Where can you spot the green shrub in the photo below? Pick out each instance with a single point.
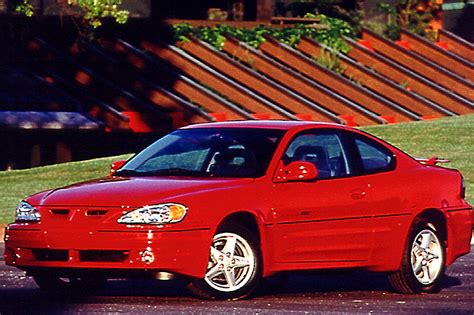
(328, 31)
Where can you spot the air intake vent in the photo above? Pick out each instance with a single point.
(103, 255)
(50, 254)
(95, 212)
(60, 211)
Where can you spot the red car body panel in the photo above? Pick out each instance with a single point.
(358, 221)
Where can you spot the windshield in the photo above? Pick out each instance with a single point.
(207, 152)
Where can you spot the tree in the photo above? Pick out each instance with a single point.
(87, 13)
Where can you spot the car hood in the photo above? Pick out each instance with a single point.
(135, 191)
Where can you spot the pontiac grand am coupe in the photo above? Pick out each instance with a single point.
(227, 205)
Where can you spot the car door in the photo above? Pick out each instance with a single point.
(390, 195)
(328, 219)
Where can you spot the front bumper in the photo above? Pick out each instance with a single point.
(182, 252)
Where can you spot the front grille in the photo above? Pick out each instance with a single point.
(50, 254)
(103, 255)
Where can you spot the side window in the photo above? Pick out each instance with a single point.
(324, 150)
(375, 158)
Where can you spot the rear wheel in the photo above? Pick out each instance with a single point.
(233, 271)
(423, 263)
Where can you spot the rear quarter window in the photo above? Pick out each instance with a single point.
(374, 157)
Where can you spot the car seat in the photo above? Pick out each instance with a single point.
(235, 162)
(316, 155)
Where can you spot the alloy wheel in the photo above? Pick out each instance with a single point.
(231, 263)
(426, 257)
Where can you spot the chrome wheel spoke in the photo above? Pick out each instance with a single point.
(215, 254)
(426, 274)
(430, 257)
(230, 278)
(426, 240)
(240, 262)
(229, 247)
(418, 265)
(417, 250)
(213, 272)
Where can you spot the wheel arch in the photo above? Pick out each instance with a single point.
(437, 218)
(245, 218)
(254, 222)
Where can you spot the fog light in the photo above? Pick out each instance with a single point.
(164, 276)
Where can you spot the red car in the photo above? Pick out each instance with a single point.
(229, 204)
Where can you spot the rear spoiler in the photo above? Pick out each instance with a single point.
(431, 161)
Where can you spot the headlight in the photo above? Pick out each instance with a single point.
(155, 214)
(26, 212)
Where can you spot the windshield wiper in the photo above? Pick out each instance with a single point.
(172, 172)
(163, 172)
(125, 173)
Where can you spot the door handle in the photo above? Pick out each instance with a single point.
(358, 194)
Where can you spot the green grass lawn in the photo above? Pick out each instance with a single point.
(450, 138)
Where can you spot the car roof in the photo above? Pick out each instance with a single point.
(267, 124)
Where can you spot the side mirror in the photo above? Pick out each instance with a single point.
(115, 166)
(298, 171)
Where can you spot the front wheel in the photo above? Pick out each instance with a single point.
(423, 263)
(233, 271)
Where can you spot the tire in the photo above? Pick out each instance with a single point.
(234, 268)
(54, 283)
(423, 262)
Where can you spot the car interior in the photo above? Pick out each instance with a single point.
(235, 161)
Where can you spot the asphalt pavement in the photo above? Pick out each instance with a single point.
(324, 293)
